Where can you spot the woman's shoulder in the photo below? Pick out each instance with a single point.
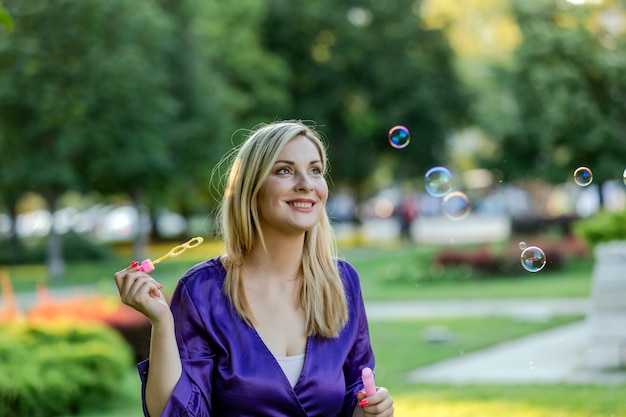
(348, 273)
(210, 273)
(345, 267)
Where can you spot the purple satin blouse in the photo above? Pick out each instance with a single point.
(228, 370)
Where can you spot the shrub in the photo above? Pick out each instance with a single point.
(133, 326)
(58, 369)
(604, 226)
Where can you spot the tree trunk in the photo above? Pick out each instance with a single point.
(54, 248)
(13, 237)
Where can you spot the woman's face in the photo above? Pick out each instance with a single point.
(293, 197)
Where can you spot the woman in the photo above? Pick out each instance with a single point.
(276, 326)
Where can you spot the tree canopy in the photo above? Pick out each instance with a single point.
(363, 69)
(562, 102)
(77, 107)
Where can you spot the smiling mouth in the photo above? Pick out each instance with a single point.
(299, 204)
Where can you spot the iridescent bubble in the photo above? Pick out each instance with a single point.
(438, 181)
(532, 365)
(624, 175)
(456, 205)
(533, 259)
(522, 245)
(399, 137)
(583, 176)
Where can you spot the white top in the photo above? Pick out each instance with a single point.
(292, 367)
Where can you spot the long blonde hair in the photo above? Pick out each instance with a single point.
(322, 294)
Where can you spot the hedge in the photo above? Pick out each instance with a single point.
(59, 368)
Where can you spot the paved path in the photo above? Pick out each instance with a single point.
(558, 355)
(525, 308)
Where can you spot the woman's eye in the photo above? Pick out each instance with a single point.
(282, 171)
(316, 171)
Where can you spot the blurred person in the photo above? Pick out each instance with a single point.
(408, 211)
(276, 326)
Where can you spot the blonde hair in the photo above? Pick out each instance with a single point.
(322, 294)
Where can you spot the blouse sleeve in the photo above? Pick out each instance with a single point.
(361, 354)
(192, 393)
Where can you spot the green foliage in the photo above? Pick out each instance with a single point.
(75, 101)
(362, 69)
(605, 226)
(50, 370)
(560, 105)
(76, 247)
(5, 18)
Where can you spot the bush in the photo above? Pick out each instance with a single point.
(58, 369)
(133, 326)
(605, 226)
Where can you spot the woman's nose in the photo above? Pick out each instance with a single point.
(304, 183)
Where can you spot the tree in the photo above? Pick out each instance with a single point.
(362, 69)
(564, 97)
(83, 100)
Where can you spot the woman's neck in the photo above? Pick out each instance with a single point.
(280, 259)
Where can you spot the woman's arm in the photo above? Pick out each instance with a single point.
(165, 366)
(138, 290)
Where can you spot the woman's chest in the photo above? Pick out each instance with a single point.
(281, 326)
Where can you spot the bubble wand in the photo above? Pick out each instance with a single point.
(148, 265)
(367, 375)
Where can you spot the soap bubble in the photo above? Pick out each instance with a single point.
(624, 175)
(522, 245)
(533, 259)
(456, 205)
(438, 181)
(583, 176)
(532, 365)
(399, 137)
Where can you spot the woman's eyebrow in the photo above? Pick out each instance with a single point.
(284, 161)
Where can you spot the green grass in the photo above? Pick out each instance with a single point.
(511, 401)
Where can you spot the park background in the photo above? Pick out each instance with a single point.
(114, 116)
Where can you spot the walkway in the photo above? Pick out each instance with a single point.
(557, 355)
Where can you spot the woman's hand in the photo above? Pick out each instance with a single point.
(140, 291)
(379, 404)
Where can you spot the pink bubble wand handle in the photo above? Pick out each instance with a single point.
(367, 375)
(148, 265)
